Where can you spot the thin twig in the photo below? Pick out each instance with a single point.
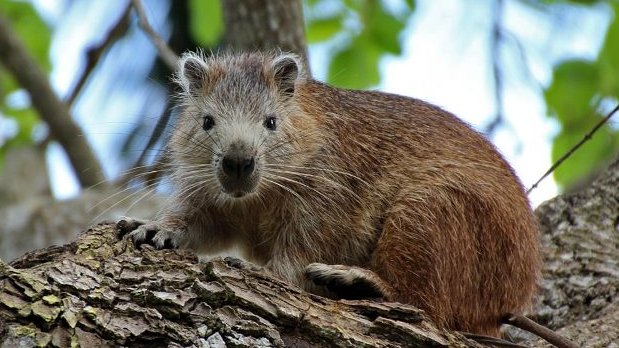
(160, 127)
(586, 138)
(94, 53)
(550, 336)
(139, 167)
(495, 42)
(169, 58)
(165, 52)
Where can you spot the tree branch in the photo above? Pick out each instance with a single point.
(495, 55)
(550, 336)
(165, 52)
(52, 110)
(94, 53)
(99, 291)
(578, 291)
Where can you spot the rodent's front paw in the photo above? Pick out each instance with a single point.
(148, 232)
(126, 224)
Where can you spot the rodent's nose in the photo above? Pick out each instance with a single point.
(238, 168)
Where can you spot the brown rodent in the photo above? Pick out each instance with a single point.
(357, 193)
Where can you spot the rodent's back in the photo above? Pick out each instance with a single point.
(392, 133)
(482, 232)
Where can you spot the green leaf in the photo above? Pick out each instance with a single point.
(586, 2)
(356, 66)
(323, 29)
(383, 28)
(35, 34)
(608, 60)
(8, 84)
(26, 119)
(578, 2)
(206, 22)
(32, 31)
(570, 96)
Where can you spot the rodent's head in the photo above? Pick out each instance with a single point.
(239, 121)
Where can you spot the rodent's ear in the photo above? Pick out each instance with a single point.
(192, 72)
(286, 69)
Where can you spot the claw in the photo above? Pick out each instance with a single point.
(168, 244)
(157, 234)
(126, 225)
(143, 235)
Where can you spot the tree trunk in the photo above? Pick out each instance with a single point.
(580, 237)
(265, 25)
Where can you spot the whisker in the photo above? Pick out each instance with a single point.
(327, 180)
(196, 180)
(148, 192)
(286, 141)
(327, 198)
(110, 197)
(291, 191)
(120, 201)
(328, 170)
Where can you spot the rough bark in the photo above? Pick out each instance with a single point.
(265, 25)
(580, 237)
(98, 291)
(14, 56)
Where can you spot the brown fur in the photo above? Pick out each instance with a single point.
(372, 180)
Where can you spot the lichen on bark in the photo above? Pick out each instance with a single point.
(98, 291)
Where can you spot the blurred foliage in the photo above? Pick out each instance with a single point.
(206, 22)
(35, 34)
(358, 33)
(576, 98)
(365, 31)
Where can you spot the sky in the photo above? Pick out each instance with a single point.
(465, 86)
(445, 62)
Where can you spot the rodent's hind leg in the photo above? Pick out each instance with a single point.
(158, 234)
(349, 282)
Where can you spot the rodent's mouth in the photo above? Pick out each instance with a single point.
(237, 189)
(236, 194)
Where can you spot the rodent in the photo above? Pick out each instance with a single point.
(347, 193)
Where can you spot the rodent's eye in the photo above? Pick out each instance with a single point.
(270, 123)
(209, 122)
